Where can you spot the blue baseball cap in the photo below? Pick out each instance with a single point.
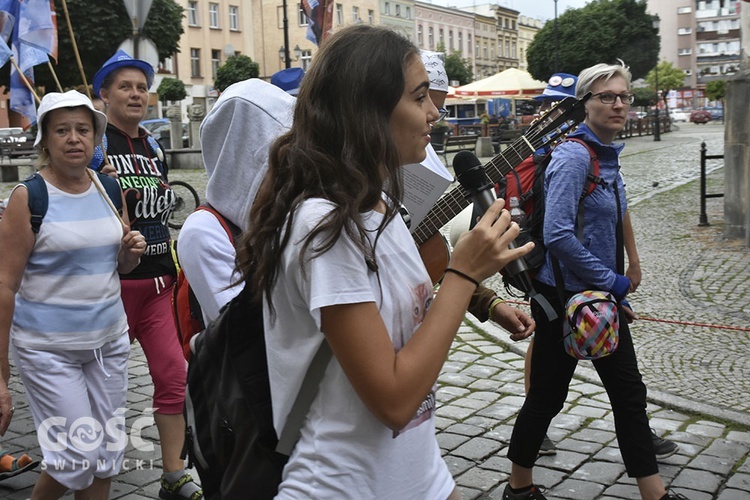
(288, 80)
(122, 59)
(559, 86)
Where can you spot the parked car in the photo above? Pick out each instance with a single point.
(161, 127)
(716, 113)
(700, 116)
(679, 115)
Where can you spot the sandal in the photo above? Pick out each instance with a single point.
(11, 466)
(171, 491)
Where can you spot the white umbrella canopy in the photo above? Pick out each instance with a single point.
(512, 82)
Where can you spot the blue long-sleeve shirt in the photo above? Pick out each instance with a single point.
(590, 263)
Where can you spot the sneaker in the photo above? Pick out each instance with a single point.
(674, 496)
(548, 447)
(531, 494)
(664, 448)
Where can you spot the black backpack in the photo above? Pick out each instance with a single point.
(230, 437)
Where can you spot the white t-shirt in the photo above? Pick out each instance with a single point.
(344, 451)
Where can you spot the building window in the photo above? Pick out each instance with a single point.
(420, 35)
(468, 44)
(441, 37)
(339, 14)
(514, 50)
(684, 10)
(387, 8)
(306, 59)
(355, 14)
(398, 10)
(234, 18)
(301, 17)
(460, 41)
(431, 38)
(195, 63)
(684, 52)
(371, 16)
(450, 40)
(408, 13)
(215, 62)
(213, 15)
(684, 31)
(688, 72)
(166, 66)
(192, 13)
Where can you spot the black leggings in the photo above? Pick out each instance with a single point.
(551, 371)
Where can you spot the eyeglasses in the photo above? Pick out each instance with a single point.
(443, 115)
(609, 98)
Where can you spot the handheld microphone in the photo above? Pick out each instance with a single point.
(471, 176)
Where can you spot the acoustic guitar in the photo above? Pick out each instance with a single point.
(546, 130)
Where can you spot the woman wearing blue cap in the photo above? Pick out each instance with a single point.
(593, 262)
(123, 83)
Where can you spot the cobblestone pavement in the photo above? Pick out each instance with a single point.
(697, 376)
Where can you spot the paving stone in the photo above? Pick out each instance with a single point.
(577, 489)
(478, 448)
(697, 480)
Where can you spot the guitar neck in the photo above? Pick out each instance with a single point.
(451, 203)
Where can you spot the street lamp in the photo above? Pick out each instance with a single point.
(657, 131)
(557, 39)
(284, 56)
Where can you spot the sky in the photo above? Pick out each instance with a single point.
(539, 9)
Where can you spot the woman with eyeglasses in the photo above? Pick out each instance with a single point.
(593, 262)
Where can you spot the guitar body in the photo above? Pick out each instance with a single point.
(436, 254)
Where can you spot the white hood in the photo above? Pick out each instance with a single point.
(235, 137)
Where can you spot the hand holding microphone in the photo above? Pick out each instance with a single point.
(492, 239)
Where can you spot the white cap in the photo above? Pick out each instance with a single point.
(70, 99)
(433, 63)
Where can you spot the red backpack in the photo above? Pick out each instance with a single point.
(526, 182)
(188, 315)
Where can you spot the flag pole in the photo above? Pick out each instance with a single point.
(75, 48)
(25, 80)
(54, 75)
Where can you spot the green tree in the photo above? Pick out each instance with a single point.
(236, 69)
(457, 68)
(644, 96)
(171, 89)
(602, 31)
(670, 78)
(100, 26)
(716, 90)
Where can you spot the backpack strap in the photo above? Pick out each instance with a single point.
(592, 179)
(38, 200)
(231, 230)
(307, 392)
(113, 189)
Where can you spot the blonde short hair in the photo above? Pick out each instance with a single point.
(602, 71)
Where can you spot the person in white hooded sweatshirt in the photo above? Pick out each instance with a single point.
(235, 135)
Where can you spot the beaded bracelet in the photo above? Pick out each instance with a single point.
(463, 275)
(495, 301)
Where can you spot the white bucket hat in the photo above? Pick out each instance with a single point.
(69, 99)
